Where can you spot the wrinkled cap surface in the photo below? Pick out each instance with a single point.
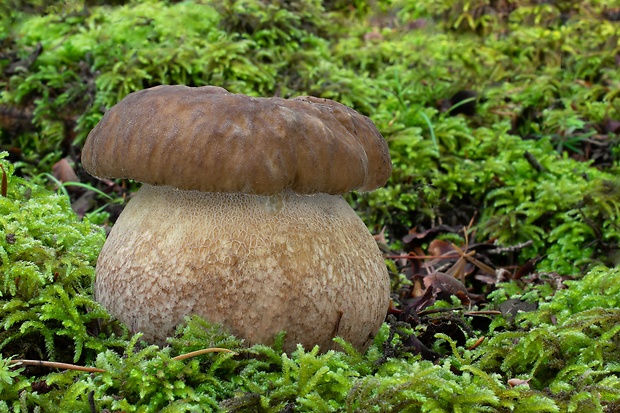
(210, 140)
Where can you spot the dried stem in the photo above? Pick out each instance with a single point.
(203, 351)
(67, 366)
(55, 365)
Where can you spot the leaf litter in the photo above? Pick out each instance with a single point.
(444, 287)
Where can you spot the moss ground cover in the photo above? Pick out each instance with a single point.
(504, 115)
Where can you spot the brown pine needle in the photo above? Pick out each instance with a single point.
(477, 343)
(67, 366)
(483, 312)
(412, 256)
(201, 352)
(55, 365)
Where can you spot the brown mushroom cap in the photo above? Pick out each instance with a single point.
(210, 140)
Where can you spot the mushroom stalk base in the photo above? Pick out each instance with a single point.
(258, 265)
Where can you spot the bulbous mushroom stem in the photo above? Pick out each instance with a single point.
(256, 264)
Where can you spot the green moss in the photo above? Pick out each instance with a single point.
(567, 349)
(537, 161)
(569, 345)
(47, 259)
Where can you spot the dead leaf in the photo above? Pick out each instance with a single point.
(83, 204)
(440, 248)
(510, 308)
(444, 283)
(63, 171)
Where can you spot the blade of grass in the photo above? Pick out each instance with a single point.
(431, 130)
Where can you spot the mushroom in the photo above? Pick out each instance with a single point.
(240, 218)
